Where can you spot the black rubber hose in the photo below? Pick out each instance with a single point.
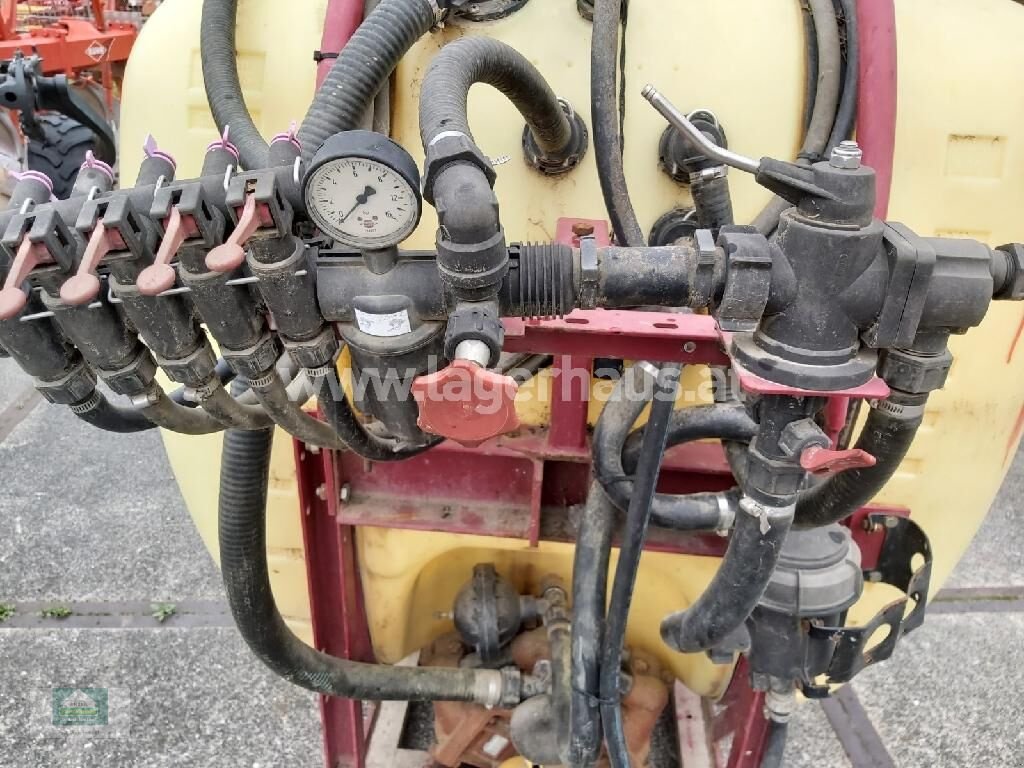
(614, 461)
(223, 88)
(775, 746)
(604, 118)
(589, 592)
(344, 422)
(230, 412)
(242, 526)
(846, 115)
(713, 203)
(885, 436)
(695, 511)
(826, 102)
(362, 68)
(471, 60)
(165, 413)
(634, 533)
(737, 586)
(810, 62)
(103, 414)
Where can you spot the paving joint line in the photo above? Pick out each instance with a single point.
(136, 614)
(857, 734)
(16, 412)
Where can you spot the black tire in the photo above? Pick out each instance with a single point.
(61, 151)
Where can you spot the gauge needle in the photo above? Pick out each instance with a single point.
(360, 200)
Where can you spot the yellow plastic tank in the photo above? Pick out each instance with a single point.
(959, 171)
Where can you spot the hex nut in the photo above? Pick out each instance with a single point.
(846, 156)
(1013, 288)
(134, 378)
(798, 436)
(316, 352)
(916, 374)
(254, 362)
(193, 370)
(73, 387)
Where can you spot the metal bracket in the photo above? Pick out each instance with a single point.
(904, 540)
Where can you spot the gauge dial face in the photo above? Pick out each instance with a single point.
(362, 203)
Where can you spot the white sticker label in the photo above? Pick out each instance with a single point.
(495, 746)
(390, 324)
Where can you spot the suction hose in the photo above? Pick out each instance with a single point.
(471, 60)
(363, 67)
(102, 414)
(243, 553)
(223, 88)
(604, 118)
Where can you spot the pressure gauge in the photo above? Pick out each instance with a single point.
(362, 189)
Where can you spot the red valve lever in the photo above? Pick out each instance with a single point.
(466, 403)
(826, 461)
(159, 276)
(229, 256)
(30, 255)
(84, 285)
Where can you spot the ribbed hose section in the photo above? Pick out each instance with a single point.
(589, 592)
(465, 62)
(103, 414)
(887, 438)
(362, 69)
(242, 526)
(713, 203)
(539, 281)
(223, 88)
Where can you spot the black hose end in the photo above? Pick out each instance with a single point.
(569, 156)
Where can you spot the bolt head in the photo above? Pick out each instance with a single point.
(847, 156)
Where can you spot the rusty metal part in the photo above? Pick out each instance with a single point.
(641, 707)
(466, 734)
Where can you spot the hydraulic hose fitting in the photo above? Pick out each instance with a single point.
(567, 157)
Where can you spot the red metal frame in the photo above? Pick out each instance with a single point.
(520, 486)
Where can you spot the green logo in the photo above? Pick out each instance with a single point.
(80, 706)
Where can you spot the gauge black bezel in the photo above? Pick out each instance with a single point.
(370, 146)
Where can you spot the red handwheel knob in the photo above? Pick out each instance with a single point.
(466, 403)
